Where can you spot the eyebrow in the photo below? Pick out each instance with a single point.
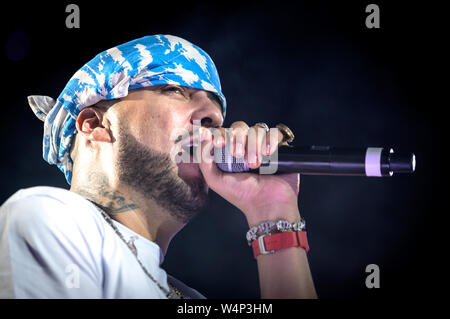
(212, 96)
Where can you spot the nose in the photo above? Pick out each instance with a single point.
(207, 110)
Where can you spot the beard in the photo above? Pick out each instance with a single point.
(152, 175)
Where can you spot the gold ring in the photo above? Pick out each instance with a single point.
(288, 136)
(263, 125)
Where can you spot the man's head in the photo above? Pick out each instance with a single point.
(130, 140)
(112, 74)
(124, 105)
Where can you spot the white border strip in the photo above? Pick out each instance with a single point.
(373, 161)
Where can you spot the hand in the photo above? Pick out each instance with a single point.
(259, 197)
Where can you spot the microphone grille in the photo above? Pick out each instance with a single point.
(227, 163)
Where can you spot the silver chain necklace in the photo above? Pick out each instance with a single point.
(174, 293)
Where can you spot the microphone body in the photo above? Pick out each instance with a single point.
(323, 160)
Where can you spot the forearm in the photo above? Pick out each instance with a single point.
(284, 273)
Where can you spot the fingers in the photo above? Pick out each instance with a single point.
(271, 140)
(209, 170)
(219, 137)
(244, 141)
(238, 138)
(255, 147)
(251, 142)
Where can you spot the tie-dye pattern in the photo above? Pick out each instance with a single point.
(151, 60)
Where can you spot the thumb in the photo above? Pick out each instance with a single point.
(207, 166)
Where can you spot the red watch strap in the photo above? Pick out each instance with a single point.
(281, 241)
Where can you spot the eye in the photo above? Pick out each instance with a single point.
(173, 89)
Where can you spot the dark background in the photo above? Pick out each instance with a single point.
(312, 65)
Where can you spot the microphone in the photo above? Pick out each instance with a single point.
(323, 160)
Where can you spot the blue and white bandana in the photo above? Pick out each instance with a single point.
(151, 60)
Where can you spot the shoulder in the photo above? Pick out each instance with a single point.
(44, 209)
(45, 233)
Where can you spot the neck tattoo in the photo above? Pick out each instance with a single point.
(97, 189)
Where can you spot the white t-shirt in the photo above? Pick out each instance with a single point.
(56, 244)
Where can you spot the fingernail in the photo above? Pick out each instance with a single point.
(218, 142)
(203, 133)
(239, 149)
(252, 158)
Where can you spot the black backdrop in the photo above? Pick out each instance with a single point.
(311, 65)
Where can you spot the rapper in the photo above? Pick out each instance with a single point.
(112, 133)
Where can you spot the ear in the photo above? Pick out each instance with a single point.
(89, 124)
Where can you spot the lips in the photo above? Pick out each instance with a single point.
(190, 140)
(186, 143)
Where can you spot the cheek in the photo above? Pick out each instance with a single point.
(153, 125)
(154, 133)
(156, 130)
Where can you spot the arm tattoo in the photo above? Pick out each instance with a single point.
(99, 191)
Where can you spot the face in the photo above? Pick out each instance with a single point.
(147, 119)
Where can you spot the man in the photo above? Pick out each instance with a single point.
(112, 132)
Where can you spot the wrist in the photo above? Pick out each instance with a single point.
(269, 244)
(275, 211)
